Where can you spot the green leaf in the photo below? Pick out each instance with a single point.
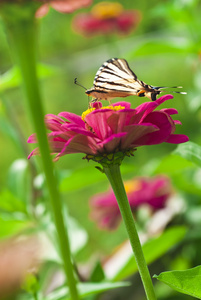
(97, 274)
(181, 171)
(173, 164)
(193, 215)
(77, 235)
(45, 71)
(190, 151)
(18, 179)
(10, 226)
(185, 282)
(159, 47)
(153, 249)
(12, 78)
(7, 129)
(30, 284)
(86, 176)
(183, 183)
(85, 289)
(10, 203)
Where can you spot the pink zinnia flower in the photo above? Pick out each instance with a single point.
(152, 192)
(63, 6)
(103, 131)
(106, 18)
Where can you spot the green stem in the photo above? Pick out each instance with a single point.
(35, 296)
(23, 146)
(114, 176)
(23, 41)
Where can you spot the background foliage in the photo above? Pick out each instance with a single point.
(165, 49)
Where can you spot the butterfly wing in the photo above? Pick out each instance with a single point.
(115, 75)
(116, 79)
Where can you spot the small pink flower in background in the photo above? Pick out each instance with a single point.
(106, 18)
(18, 257)
(62, 6)
(152, 192)
(107, 130)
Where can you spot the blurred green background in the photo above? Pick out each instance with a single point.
(164, 49)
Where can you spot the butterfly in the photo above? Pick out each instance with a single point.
(115, 79)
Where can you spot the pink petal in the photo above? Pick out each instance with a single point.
(177, 139)
(83, 144)
(145, 108)
(69, 6)
(32, 138)
(135, 133)
(42, 11)
(112, 143)
(165, 125)
(76, 129)
(51, 117)
(53, 125)
(56, 145)
(128, 20)
(72, 118)
(177, 122)
(120, 119)
(164, 98)
(98, 121)
(34, 152)
(60, 136)
(170, 111)
(64, 146)
(85, 24)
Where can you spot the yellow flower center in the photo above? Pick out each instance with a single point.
(86, 112)
(132, 186)
(89, 110)
(107, 10)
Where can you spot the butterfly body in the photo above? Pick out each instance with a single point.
(115, 79)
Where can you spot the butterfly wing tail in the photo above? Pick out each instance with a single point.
(167, 87)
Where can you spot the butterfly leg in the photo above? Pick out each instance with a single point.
(91, 102)
(109, 100)
(94, 100)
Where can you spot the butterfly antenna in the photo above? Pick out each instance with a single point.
(176, 87)
(167, 87)
(183, 93)
(76, 82)
(171, 87)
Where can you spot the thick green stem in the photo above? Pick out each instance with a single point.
(22, 34)
(114, 176)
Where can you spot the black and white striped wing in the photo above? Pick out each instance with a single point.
(116, 75)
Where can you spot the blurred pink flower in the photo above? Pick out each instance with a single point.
(106, 18)
(63, 6)
(17, 258)
(107, 130)
(152, 192)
